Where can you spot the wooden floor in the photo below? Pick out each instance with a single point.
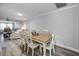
(59, 52)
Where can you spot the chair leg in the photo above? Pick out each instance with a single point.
(24, 47)
(40, 49)
(50, 52)
(21, 46)
(27, 49)
(32, 52)
(53, 50)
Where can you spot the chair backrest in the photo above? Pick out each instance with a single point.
(27, 36)
(52, 41)
(15, 35)
(44, 32)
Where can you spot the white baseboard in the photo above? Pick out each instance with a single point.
(60, 45)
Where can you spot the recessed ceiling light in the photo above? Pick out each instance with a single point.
(20, 14)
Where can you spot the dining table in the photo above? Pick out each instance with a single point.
(43, 39)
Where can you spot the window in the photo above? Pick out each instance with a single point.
(3, 25)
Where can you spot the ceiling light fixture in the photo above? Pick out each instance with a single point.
(20, 14)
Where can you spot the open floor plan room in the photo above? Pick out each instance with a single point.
(39, 29)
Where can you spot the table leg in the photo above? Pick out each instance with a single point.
(44, 50)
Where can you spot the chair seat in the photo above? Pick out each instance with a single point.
(33, 45)
(47, 46)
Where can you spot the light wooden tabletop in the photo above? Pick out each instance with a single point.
(42, 38)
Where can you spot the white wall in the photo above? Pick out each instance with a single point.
(65, 26)
(78, 26)
(41, 23)
(63, 23)
(18, 25)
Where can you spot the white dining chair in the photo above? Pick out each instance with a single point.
(50, 45)
(43, 32)
(18, 40)
(23, 33)
(30, 44)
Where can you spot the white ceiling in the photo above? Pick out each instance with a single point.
(10, 10)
